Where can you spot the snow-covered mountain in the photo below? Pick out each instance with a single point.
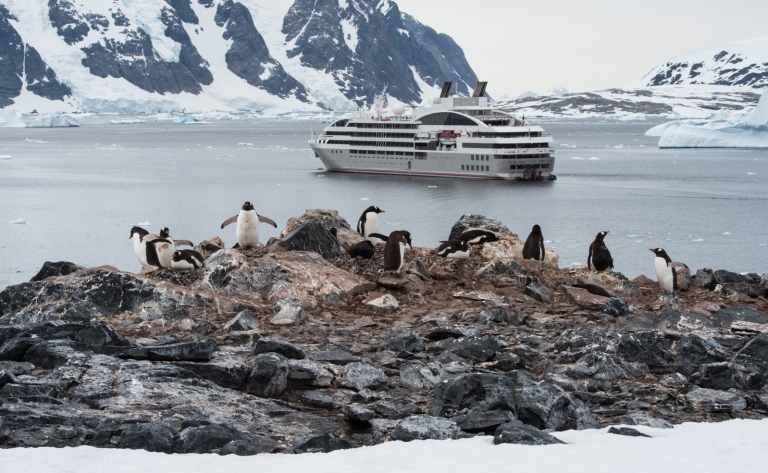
(744, 63)
(167, 55)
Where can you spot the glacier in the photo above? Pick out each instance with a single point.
(723, 130)
(54, 121)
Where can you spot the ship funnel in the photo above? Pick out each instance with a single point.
(446, 90)
(480, 89)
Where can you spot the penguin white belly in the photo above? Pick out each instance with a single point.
(140, 249)
(248, 229)
(459, 255)
(165, 253)
(664, 275)
(183, 264)
(371, 225)
(476, 240)
(402, 256)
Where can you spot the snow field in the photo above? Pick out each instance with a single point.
(737, 445)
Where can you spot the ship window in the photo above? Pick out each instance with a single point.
(462, 167)
(486, 168)
(473, 167)
(390, 152)
(447, 118)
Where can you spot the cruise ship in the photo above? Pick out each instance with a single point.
(460, 137)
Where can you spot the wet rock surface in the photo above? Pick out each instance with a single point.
(117, 360)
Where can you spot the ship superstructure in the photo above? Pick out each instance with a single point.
(456, 137)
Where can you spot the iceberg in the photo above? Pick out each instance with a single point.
(740, 131)
(11, 119)
(127, 122)
(54, 121)
(18, 221)
(185, 120)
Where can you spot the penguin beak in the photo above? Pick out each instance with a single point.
(651, 250)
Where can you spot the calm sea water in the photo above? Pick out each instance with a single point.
(81, 189)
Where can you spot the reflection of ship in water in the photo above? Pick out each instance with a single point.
(455, 137)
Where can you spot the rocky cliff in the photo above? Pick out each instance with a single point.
(295, 347)
(202, 54)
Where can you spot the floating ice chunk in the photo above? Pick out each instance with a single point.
(143, 224)
(577, 158)
(558, 241)
(246, 144)
(321, 175)
(5, 156)
(185, 120)
(28, 140)
(363, 198)
(18, 221)
(638, 241)
(431, 187)
(619, 146)
(54, 121)
(575, 264)
(727, 233)
(547, 241)
(127, 122)
(750, 174)
(594, 159)
(698, 239)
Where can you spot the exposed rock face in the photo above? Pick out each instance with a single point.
(478, 222)
(311, 236)
(110, 359)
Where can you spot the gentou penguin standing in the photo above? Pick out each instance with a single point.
(364, 249)
(534, 245)
(165, 250)
(394, 251)
(457, 249)
(139, 246)
(665, 272)
(248, 226)
(599, 257)
(187, 259)
(477, 237)
(369, 222)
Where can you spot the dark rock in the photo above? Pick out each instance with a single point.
(52, 354)
(693, 350)
(312, 236)
(99, 334)
(206, 438)
(616, 307)
(357, 414)
(241, 448)
(628, 431)
(704, 279)
(756, 380)
(595, 365)
(227, 372)
(286, 349)
(754, 355)
(6, 377)
(322, 443)
(655, 350)
(516, 432)
(336, 357)
(288, 312)
(16, 348)
(538, 291)
(508, 362)
(544, 406)
(643, 418)
(462, 392)
(496, 315)
(396, 408)
(199, 350)
(721, 376)
(306, 373)
(243, 321)
(319, 399)
(424, 427)
(578, 338)
(51, 270)
(359, 376)
(408, 341)
(29, 392)
(478, 222)
(502, 268)
(482, 421)
(419, 376)
(477, 349)
(725, 317)
(149, 436)
(710, 400)
(443, 333)
(365, 396)
(269, 376)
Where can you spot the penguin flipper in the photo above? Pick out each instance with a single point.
(267, 220)
(674, 278)
(379, 236)
(184, 243)
(229, 221)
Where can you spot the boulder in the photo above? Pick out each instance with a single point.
(52, 270)
(336, 357)
(462, 392)
(357, 414)
(15, 348)
(420, 376)
(359, 376)
(407, 341)
(504, 268)
(585, 299)
(288, 350)
(207, 438)
(245, 320)
(241, 448)
(149, 436)
(539, 292)
(512, 248)
(52, 354)
(424, 427)
(655, 350)
(6, 377)
(226, 371)
(725, 317)
(306, 373)
(754, 355)
(478, 222)
(320, 443)
(288, 312)
(99, 334)
(311, 236)
(210, 246)
(396, 408)
(643, 418)
(516, 432)
(497, 315)
(595, 365)
(385, 304)
(721, 376)
(199, 350)
(710, 400)
(269, 375)
(693, 350)
(477, 349)
(543, 405)
(319, 399)
(616, 307)
(627, 431)
(476, 420)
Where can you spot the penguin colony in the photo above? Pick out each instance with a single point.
(156, 252)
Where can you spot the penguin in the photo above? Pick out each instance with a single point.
(369, 222)
(385, 238)
(599, 257)
(457, 249)
(477, 237)
(154, 248)
(394, 251)
(248, 226)
(593, 289)
(534, 245)
(165, 251)
(666, 274)
(187, 259)
(139, 246)
(364, 249)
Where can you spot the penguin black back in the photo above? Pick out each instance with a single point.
(394, 251)
(599, 257)
(458, 249)
(142, 233)
(364, 249)
(192, 257)
(534, 245)
(477, 237)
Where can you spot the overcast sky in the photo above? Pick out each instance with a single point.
(583, 44)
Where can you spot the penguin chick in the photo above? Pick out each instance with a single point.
(599, 257)
(457, 249)
(394, 252)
